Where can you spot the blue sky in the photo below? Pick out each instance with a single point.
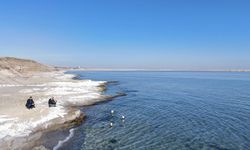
(148, 34)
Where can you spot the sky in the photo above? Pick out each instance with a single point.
(128, 34)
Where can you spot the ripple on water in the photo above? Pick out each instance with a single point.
(170, 112)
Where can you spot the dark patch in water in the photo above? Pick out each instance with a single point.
(119, 94)
(109, 98)
(113, 82)
(113, 141)
(131, 91)
(217, 147)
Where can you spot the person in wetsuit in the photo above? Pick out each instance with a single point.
(30, 103)
(52, 102)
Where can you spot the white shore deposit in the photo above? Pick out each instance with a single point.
(20, 79)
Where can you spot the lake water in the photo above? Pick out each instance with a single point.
(168, 110)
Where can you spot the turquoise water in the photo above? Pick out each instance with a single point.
(168, 110)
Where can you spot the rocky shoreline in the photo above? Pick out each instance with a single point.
(21, 128)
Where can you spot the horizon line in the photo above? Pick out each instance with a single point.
(155, 70)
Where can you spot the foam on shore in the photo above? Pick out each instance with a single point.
(61, 142)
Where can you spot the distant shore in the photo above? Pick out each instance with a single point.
(153, 70)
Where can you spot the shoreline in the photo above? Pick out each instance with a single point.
(23, 130)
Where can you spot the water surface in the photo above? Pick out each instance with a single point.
(168, 110)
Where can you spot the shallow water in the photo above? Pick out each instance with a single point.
(168, 110)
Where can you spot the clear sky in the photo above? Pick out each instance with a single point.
(149, 34)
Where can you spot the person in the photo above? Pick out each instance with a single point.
(30, 103)
(52, 102)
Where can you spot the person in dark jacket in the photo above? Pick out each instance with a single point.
(52, 102)
(30, 103)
